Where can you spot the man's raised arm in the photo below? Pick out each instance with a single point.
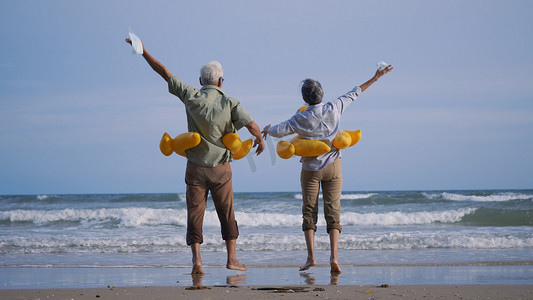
(158, 67)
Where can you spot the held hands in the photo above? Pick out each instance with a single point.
(265, 131)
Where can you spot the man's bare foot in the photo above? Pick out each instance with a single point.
(235, 265)
(197, 269)
(335, 269)
(308, 264)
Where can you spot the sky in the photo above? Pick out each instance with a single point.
(80, 113)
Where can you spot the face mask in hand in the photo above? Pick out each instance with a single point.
(135, 43)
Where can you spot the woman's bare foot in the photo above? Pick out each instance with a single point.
(197, 269)
(335, 269)
(308, 264)
(236, 265)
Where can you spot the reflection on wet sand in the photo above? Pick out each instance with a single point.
(311, 280)
(197, 279)
(240, 279)
(334, 279)
(236, 279)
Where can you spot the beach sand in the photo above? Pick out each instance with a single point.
(282, 292)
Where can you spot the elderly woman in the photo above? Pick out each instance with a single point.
(318, 122)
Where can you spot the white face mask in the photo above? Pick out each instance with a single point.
(380, 64)
(135, 43)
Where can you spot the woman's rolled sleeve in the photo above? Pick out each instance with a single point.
(281, 130)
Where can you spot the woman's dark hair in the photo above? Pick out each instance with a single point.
(312, 92)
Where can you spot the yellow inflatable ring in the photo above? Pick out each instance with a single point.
(346, 138)
(301, 147)
(308, 148)
(186, 141)
(179, 144)
(246, 147)
(285, 149)
(355, 135)
(166, 145)
(342, 140)
(233, 142)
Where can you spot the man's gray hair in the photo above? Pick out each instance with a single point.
(312, 92)
(211, 72)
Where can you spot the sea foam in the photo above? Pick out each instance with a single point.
(349, 240)
(138, 217)
(344, 196)
(129, 217)
(499, 197)
(406, 218)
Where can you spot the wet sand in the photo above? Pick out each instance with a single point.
(101, 277)
(377, 282)
(282, 292)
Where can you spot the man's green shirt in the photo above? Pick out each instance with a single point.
(212, 114)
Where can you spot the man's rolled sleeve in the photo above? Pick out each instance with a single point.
(239, 116)
(179, 88)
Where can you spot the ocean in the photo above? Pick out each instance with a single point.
(380, 228)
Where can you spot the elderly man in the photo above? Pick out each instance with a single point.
(321, 122)
(212, 114)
